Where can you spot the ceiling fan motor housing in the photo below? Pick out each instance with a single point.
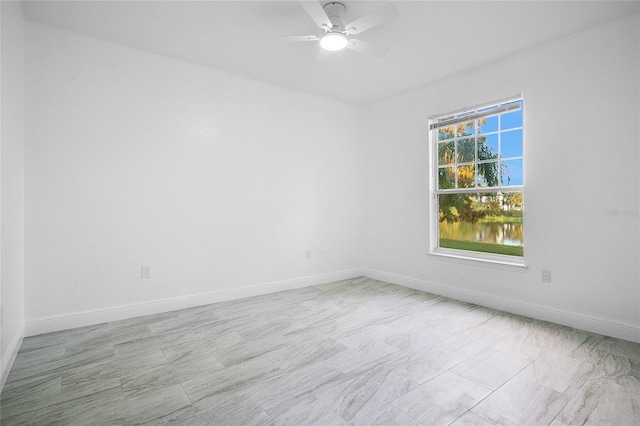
(335, 11)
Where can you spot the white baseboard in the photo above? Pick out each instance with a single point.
(595, 325)
(82, 319)
(9, 356)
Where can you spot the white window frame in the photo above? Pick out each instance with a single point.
(467, 255)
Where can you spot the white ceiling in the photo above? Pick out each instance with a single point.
(429, 41)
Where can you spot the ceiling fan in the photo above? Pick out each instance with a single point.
(337, 36)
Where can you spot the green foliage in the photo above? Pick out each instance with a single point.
(508, 217)
(483, 247)
(466, 207)
(513, 200)
(455, 207)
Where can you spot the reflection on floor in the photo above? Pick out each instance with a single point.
(355, 352)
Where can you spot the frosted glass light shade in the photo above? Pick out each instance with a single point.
(333, 41)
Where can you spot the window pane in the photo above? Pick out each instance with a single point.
(466, 129)
(512, 144)
(445, 133)
(446, 178)
(446, 153)
(476, 155)
(488, 174)
(467, 176)
(488, 147)
(489, 124)
(466, 150)
(512, 172)
(511, 120)
(482, 222)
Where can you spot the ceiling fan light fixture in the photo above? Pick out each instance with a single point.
(333, 41)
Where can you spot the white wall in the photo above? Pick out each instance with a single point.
(11, 183)
(214, 181)
(581, 148)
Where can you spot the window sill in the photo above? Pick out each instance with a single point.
(481, 259)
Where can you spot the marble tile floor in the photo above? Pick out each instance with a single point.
(354, 352)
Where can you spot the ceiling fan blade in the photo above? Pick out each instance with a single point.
(366, 47)
(372, 19)
(297, 38)
(317, 13)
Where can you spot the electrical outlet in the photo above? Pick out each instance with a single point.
(546, 276)
(307, 254)
(145, 272)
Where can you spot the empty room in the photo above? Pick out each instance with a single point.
(320, 213)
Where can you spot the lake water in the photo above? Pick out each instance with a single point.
(510, 234)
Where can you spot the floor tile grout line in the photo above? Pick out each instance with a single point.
(185, 392)
(491, 392)
(403, 411)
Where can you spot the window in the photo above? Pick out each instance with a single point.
(477, 182)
